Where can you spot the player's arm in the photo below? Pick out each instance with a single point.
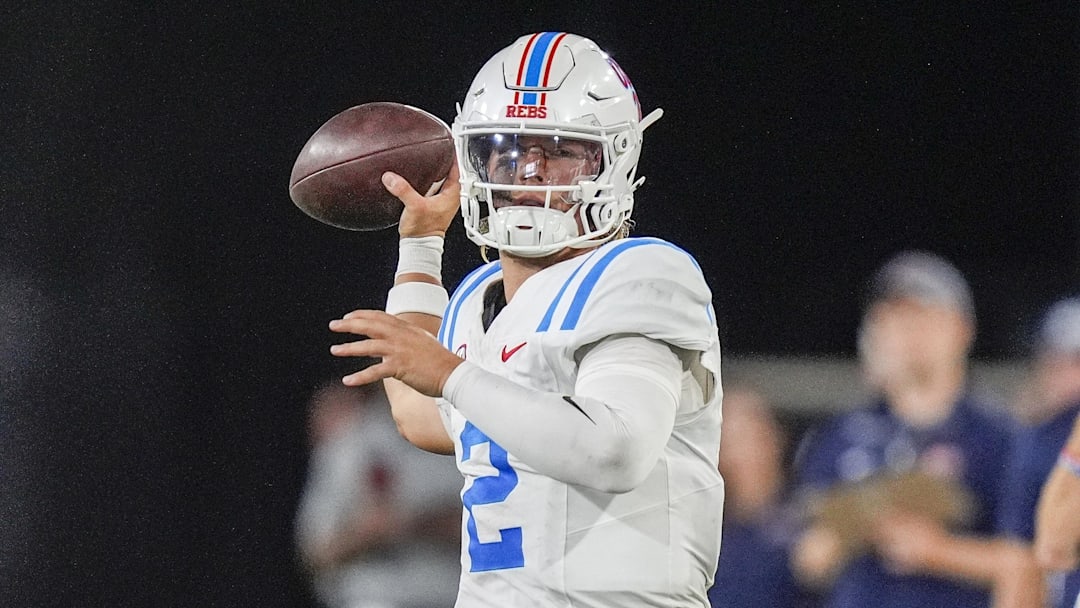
(913, 544)
(418, 298)
(1057, 526)
(607, 435)
(416, 414)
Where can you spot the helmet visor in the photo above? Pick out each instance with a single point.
(534, 160)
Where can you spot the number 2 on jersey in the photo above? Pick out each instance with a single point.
(490, 489)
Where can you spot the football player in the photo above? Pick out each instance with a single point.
(576, 379)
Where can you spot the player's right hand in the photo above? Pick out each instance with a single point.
(425, 215)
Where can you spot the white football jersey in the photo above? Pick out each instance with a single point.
(530, 540)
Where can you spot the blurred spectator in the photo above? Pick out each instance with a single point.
(379, 521)
(1048, 407)
(1057, 526)
(924, 456)
(757, 528)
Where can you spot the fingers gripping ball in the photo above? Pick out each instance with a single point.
(337, 176)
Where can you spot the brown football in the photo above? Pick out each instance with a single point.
(337, 177)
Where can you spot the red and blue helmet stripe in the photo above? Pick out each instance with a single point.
(535, 67)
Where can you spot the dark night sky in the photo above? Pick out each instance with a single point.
(163, 304)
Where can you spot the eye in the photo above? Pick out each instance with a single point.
(507, 155)
(566, 152)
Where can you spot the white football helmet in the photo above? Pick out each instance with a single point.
(547, 141)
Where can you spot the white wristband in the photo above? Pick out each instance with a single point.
(421, 254)
(416, 296)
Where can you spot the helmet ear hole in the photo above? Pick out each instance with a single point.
(607, 213)
(601, 215)
(621, 143)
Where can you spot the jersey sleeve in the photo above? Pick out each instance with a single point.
(608, 437)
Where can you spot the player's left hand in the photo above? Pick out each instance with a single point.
(407, 352)
(905, 541)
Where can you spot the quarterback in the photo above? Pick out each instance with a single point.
(575, 379)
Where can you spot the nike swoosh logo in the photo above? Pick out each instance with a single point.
(567, 399)
(506, 354)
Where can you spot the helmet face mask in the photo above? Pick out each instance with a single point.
(547, 141)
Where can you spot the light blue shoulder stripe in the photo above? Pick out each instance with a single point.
(545, 323)
(446, 329)
(573, 315)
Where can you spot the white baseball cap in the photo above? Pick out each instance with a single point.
(923, 276)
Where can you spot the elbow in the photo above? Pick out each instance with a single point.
(424, 439)
(403, 430)
(622, 480)
(621, 470)
(403, 426)
(619, 484)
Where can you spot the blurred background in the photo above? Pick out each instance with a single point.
(163, 305)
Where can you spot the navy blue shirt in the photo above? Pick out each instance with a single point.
(754, 569)
(1034, 456)
(970, 447)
